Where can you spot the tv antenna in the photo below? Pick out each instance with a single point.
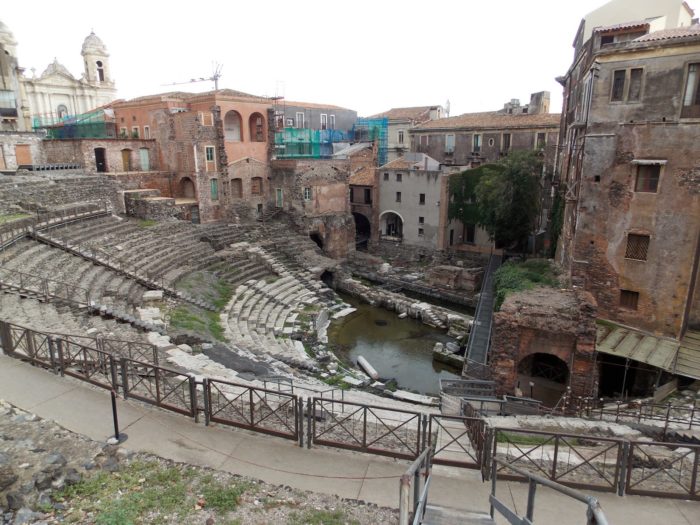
(216, 75)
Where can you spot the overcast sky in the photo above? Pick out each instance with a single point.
(366, 55)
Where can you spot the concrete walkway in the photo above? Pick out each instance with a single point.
(87, 410)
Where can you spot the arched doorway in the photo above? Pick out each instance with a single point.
(232, 126)
(316, 237)
(256, 124)
(543, 377)
(101, 160)
(363, 230)
(391, 225)
(187, 188)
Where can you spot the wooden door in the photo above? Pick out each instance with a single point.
(23, 155)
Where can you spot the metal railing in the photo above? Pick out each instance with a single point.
(594, 513)
(415, 480)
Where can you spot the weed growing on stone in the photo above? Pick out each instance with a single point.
(518, 276)
(320, 517)
(12, 217)
(147, 223)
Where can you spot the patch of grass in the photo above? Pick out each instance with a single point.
(516, 277)
(271, 279)
(13, 217)
(187, 317)
(528, 439)
(320, 517)
(147, 223)
(207, 286)
(130, 495)
(336, 381)
(224, 498)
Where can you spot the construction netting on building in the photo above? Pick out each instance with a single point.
(98, 124)
(307, 143)
(371, 130)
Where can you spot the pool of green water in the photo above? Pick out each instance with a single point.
(398, 349)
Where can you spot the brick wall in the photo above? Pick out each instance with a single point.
(9, 141)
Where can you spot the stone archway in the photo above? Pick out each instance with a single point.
(391, 225)
(316, 237)
(187, 188)
(363, 230)
(543, 377)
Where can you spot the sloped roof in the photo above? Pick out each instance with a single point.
(640, 24)
(419, 113)
(313, 105)
(399, 164)
(363, 177)
(493, 120)
(623, 341)
(671, 34)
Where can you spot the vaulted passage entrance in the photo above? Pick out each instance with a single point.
(362, 230)
(316, 237)
(543, 377)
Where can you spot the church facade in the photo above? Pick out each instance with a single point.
(27, 102)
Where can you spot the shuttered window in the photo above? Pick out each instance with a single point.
(637, 247)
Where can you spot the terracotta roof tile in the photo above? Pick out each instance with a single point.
(399, 164)
(493, 120)
(671, 34)
(638, 24)
(312, 105)
(364, 177)
(419, 113)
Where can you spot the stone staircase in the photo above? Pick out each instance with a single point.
(437, 515)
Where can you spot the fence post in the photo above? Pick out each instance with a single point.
(692, 413)
(404, 498)
(299, 405)
(53, 357)
(193, 398)
(625, 463)
(205, 396)
(554, 459)
(364, 427)
(531, 500)
(311, 422)
(6, 337)
(251, 406)
(424, 424)
(668, 415)
(125, 382)
(113, 373)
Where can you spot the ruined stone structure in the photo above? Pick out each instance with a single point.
(316, 193)
(629, 167)
(546, 336)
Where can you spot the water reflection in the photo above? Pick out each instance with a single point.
(396, 348)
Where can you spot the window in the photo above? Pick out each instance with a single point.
(635, 91)
(290, 122)
(491, 142)
(300, 120)
(386, 176)
(324, 121)
(618, 86)
(146, 132)
(627, 85)
(135, 132)
(647, 178)
(209, 156)
(122, 132)
(421, 232)
(398, 196)
(541, 141)
(421, 198)
(214, 189)
(449, 143)
(469, 233)
(505, 141)
(332, 121)
(607, 39)
(307, 194)
(368, 196)
(399, 177)
(476, 141)
(62, 111)
(256, 186)
(629, 299)
(100, 71)
(421, 220)
(206, 118)
(400, 136)
(424, 140)
(691, 98)
(637, 246)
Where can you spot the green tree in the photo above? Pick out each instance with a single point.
(508, 199)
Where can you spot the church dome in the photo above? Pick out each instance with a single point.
(6, 37)
(93, 45)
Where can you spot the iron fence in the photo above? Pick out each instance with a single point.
(88, 364)
(130, 349)
(162, 387)
(373, 429)
(639, 412)
(570, 459)
(258, 409)
(36, 347)
(663, 470)
(457, 441)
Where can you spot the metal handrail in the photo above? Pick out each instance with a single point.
(420, 497)
(594, 511)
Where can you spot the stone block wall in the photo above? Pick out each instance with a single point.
(9, 140)
(560, 323)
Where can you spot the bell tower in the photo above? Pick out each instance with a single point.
(96, 61)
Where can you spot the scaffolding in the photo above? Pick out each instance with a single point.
(97, 124)
(373, 130)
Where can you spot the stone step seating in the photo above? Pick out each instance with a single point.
(222, 235)
(63, 319)
(237, 271)
(143, 265)
(48, 192)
